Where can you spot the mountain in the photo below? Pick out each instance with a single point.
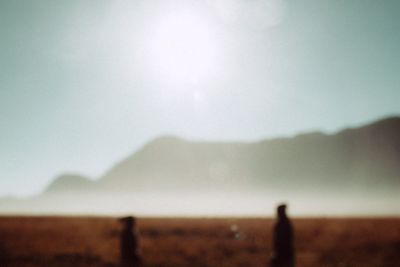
(354, 159)
(69, 183)
(361, 162)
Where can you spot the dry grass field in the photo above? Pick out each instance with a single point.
(93, 241)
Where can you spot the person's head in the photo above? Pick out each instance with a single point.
(281, 211)
(128, 222)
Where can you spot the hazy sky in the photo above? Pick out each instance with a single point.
(85, 83)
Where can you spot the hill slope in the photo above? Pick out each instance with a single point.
(355, 159)
(354, 163)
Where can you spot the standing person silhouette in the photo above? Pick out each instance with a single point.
(129, 246)
(283, 251)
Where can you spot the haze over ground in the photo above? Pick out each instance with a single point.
(84, 83)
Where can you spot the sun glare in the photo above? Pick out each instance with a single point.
(183, 48)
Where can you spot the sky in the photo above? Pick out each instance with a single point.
(84, 83)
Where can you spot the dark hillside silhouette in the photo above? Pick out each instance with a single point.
(356, 162)
(353, 158)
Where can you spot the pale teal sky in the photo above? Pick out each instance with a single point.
(78, 91)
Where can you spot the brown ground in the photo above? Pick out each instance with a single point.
(79, 241)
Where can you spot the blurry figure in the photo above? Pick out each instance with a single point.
(283, 251)
(130, 252)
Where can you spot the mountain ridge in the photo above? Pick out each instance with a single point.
(173, 156)
(358, 162)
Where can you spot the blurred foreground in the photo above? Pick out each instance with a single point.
(174, 242)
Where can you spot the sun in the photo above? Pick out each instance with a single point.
(183, 47)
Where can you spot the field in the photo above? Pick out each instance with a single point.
(174, 242)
